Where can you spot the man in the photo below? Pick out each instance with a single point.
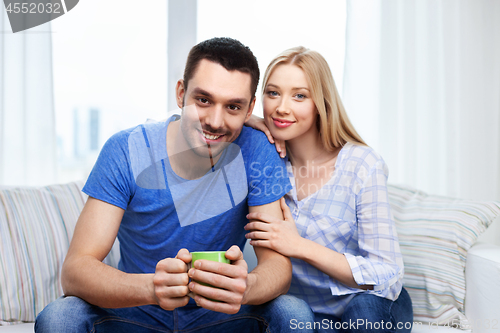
(170, 188)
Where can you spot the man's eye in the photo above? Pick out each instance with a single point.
(234, 107)
(203, 100)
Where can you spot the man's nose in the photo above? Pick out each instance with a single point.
(215, 118)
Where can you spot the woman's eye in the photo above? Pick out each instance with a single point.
(272, 93)
(300, 96)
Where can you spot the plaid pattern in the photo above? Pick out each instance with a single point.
(350, 214)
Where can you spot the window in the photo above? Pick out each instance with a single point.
(109, 62)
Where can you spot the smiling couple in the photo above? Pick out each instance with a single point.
(191, 184)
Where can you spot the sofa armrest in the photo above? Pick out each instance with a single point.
(482, 276)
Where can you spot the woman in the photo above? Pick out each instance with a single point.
(343, 245)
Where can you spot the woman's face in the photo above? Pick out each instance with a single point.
(289, 111)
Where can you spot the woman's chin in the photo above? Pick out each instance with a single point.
(280, 136)
(277, 133)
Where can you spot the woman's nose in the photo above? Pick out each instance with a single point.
(283, 107)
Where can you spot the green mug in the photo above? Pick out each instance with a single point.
(218, 256)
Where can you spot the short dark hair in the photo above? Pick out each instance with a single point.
(227, 52)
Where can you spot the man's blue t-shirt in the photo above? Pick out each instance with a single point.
(164, 212)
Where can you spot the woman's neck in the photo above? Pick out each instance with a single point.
(307, 148)
(312, 164)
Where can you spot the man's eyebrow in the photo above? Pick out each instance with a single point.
(199, 91)
(238, 101)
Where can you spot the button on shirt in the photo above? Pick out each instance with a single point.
(351, 215)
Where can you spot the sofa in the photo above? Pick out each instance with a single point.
(450, 247)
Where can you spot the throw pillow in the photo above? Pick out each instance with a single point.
(36, 225)
(435, 233)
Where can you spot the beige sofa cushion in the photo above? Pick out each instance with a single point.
(435, 233)
(36, 225)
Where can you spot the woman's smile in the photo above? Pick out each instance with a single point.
(282, 123)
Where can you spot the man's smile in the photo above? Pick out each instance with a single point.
(210, 137)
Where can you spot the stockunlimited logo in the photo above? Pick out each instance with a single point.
(24, 15)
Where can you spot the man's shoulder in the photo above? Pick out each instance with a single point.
(255, 146)
(118, 139)
(253, 139)
(142, 130)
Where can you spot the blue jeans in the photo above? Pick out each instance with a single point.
(370, 313)
(72, 314)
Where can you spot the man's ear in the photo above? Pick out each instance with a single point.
(179, 93)
(250, 109)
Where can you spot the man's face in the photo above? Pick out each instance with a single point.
(215, 106)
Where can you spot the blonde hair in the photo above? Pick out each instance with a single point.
(334, 126)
